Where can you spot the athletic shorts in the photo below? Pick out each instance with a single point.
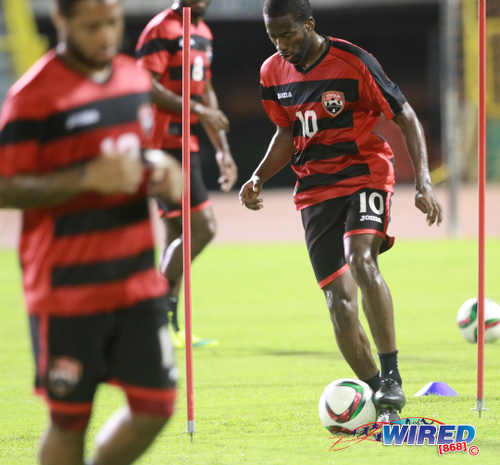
(199, 192)
(130, 348)
(328, 223)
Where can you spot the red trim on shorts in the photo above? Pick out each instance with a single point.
(152, 401)
(178, 213)
(148, 393)
(333, 276)
(67, 407)
(355, 232)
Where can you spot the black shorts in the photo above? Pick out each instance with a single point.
(328, 223)
(130, 348)
(199, 192)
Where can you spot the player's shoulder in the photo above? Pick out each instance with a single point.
(270, 67)
(29, 93)
(204, 30)
(353, 54)
(165, 24)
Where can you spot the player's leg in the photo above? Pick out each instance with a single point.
(125, 437)
(324, 228)
(60, 445)
(342, 301)
(141, 362)
(203, 228)
(365, 237)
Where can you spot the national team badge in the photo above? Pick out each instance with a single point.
(333, 102)
(63, 375)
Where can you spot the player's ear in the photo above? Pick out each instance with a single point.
(310, 24)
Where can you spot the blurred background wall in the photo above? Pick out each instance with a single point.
(405, 35)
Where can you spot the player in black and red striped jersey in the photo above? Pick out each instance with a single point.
(325, 96)
(71, 131)
(159, 50)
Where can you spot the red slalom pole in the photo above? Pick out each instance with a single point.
(481, 206)
(186, 212)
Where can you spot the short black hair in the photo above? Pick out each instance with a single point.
(301, 10)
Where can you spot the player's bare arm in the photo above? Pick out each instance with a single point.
(109, 173)
(412, 129)
(227, 166)
(170, 101)
(278, 155)
(166, 176)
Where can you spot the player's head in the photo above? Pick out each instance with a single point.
(290, 25)
(91, 30)
(198, 7)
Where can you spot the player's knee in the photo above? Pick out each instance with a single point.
(363, 267)
(70, 423)
(204, 232)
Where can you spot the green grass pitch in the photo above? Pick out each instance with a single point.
(256, 393)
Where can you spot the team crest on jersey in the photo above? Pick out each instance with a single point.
(146, 118)
(333, 102)
(63, 375)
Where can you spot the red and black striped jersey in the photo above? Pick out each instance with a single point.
(159, 50)
(93, 253)
(332, 108)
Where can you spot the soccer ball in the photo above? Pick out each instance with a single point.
(346, 404)
(467, 320)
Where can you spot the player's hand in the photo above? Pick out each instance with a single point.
(228, 170)
(212, 117)
(426, 201)
(250, 194)
(166, 176)
(113, 172)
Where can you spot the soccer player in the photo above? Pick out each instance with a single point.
(159, 50)
(71, 130)
(325, 96)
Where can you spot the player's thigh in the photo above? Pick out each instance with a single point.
(324, 227)
(142, 360)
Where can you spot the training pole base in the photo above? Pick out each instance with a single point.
(479, 407)
(191, 428)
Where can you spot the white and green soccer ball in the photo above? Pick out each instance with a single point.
(346, 404)
(467, 320)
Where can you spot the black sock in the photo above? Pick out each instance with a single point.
(373, 382)
(389, 366)
(172, 301)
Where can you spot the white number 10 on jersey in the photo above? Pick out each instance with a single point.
(309, 122)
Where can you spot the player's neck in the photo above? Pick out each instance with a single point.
(194, 19)
(318, 45)
(98, 75)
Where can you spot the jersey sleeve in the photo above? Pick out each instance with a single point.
(383, 95)
(19, 139)
(152, 50)
(274, 110)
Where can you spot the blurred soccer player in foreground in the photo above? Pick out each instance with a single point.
(70, 156)
(325, 96)
(159, 50)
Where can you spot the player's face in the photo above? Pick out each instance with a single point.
(291, 39)
(198, 7)
(94, 32)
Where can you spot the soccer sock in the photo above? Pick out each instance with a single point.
(373, 382)
(389, 366)
(172, 301)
